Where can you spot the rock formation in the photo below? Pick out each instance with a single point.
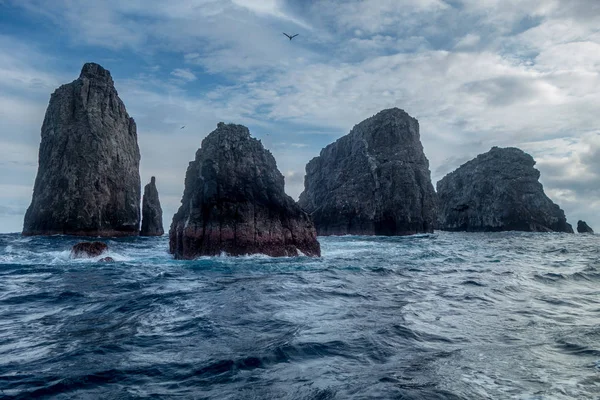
(151, 211)
(373, 181)
(88, 180)
(234, 202)
(88, 249)
(583, 227)
(498, 191)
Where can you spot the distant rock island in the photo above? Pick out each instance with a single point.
(88, 180)
(498, 191)
(234, 202)
(583, 227)
(151, 211)
(373, 181)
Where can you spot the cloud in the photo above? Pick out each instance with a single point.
(467, 41)
(570, 171)
(232, 35)
(294, 183)
(385, 16)
(11, 211)
(475, 73)
(271, 8)
(19, 70)
(184, 74)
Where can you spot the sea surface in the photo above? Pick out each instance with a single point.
(440, 316)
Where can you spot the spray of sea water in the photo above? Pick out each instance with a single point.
(441, 316)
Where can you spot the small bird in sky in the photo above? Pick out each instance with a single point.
(182, 127)
(290, 37)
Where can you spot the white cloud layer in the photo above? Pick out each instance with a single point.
(476, 73)
(184, 73)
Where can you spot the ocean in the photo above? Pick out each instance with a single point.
(441, 316)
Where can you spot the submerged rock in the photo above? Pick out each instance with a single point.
(88, 180)
(151, 211)
(373, 181)
(498, 191)
(107, 259)
(88, 249)
(583, 227)
(234, 202)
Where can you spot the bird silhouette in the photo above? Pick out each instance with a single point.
(182, 127)
(290, 37)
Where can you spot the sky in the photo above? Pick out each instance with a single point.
(475, 73)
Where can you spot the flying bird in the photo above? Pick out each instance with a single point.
(182, 127)
(290, 37)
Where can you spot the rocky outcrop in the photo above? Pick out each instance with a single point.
(234, 202)
(151, 211)
(88, 180)
(88, 249)
(373, 181)
(583, 227)
(498, 191)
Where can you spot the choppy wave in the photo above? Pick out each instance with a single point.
(441, 316)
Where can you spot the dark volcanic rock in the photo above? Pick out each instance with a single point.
(151, 211)
(373, 181)
(88, 180)
(234, 202)
(498, 191)
(583, 227)
(106, 259)
(88, 249)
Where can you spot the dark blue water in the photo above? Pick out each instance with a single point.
(442, 316)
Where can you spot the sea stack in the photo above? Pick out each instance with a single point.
(498, 191)
(88, 181)
(373, 181)
(234, 202)
(151, 211)
(583, 227)
(88, 249)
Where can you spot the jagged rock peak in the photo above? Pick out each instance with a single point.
(390, 113)
(151, 211)
(583, 227)
(373, 181)
(498, 191)
(234, 202)
(95, 71)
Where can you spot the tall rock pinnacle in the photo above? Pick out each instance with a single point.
(88, 180)
(151, 211)
(373, 181)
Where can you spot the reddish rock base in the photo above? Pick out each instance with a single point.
(275, 241)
